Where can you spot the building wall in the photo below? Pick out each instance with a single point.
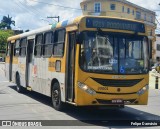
(157, 55)
(118, 12)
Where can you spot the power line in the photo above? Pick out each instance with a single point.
(31, 7)
(20, 5)
(79, 8)
(56, 5)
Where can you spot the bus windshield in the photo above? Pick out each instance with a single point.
(114, 53)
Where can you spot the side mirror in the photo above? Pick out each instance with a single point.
(79, 38)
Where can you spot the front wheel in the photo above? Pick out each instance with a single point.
(56, 97)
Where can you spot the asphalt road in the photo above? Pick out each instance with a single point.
(34, 106)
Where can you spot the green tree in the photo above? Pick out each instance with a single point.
(7, 22)
(4, 34)
(3, 25)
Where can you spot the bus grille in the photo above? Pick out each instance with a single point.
(117, 83)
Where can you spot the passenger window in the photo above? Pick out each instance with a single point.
(17, 48)
(23, 43)
(59, 40)
(38, 45)
(48, 44)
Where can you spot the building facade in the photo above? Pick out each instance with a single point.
(123, 9)
(157, 46)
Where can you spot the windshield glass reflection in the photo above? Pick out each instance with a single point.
(108, 53)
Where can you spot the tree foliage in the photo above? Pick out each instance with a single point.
(4, 34)
(6, 22)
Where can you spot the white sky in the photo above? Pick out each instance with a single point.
(29, 14)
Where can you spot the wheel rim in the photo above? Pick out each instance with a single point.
(55, 97)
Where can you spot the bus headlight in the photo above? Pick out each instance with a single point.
(142, 91)
(86, 88)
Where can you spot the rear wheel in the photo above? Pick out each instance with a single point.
(19, 88)
(56, 97)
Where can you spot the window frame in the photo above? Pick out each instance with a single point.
(17, 48)
(61, 42)
(145, 17)
(151, 19)
(99, 7)
(41, 45)
(123, 9)
(138, 15)
(22, 47)
(44, 45)
(85, 7)
(133, 12)
(112, 7)
(128, 10)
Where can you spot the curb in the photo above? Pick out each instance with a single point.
(155, 75)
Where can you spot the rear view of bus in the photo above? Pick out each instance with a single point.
(112, 68)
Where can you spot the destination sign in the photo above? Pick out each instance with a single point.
(115, 24)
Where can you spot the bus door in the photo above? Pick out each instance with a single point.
(70, 67)
(29, 61)
(11, 46)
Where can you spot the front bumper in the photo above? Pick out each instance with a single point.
(85, 99)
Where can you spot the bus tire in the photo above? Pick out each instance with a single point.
(56, 97)
(19, 88)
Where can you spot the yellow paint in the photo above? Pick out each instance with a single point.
(71, 28)
(13, 41)
(80, 95)
(82, 98)
(13, 38)
(29, 88)
(52, 62)
(7, 59)
(15, 60)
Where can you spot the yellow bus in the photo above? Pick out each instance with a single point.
(87, 61)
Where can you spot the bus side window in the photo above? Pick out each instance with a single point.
(38, 45)
(23, 44)
(59, 40)
(17, 48)
(48, 44)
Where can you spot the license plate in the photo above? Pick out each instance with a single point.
(117, 101)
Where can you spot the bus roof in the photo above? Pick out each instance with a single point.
(59, 25)
(46, 28)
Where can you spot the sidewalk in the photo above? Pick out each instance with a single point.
(152, 79)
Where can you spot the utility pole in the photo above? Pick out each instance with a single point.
(55, 17)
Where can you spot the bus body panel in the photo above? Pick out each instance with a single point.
(7, 67)
(21, 70)
(15, 68)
